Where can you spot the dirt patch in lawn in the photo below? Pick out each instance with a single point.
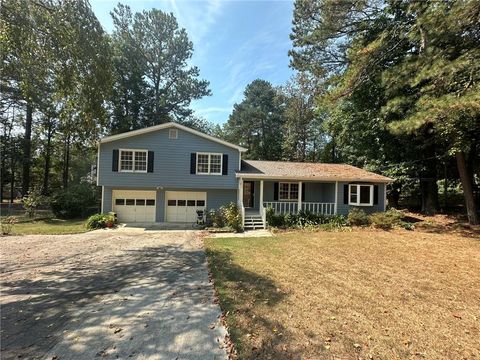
(349, 295)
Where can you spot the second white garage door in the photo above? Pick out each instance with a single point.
(182, 206)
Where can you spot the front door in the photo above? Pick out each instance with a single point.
(248, 192)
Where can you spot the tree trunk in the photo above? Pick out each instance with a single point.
(27, 149)
(66, 162)
(429, 176)
(465, 178)
(12, 179)
(48, 149)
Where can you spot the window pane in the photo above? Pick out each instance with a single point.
(215, 164)
(119, 201)
(140, 202)
(365, 194)
(172, 203)
(200, 202)
(353, 194)
(182, 202)
(130, 202)
(202, 163)
(140, 161)
(293, 191)
(190, 202)
(283, 191)
(150, 202)
(126, 160)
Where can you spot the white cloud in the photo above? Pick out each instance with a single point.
(213, 110)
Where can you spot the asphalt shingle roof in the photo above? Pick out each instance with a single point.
(307, 171)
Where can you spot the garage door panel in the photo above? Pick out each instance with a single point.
(182, 206)
(134, 205)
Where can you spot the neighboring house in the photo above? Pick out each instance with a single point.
(165, 173)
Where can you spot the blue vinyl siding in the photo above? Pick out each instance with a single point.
(215, 198)
(171, 162)
(343, 209)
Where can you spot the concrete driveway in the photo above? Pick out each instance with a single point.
(108, 294)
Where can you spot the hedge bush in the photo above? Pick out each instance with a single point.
(304, 219)
(74, 202)
(100, 221)
(227, 216)
(358, 217)
(388, 219)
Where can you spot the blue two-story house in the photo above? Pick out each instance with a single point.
(165, 173)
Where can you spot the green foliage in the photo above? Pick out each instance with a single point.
(100, 221)
(358, 217)
(74, 202)
(256, 122)
(304, 220)
(228, 216)
(232, 216)
(154, 82)
(215, 218)
(387, 220)
(7, 224)
(33, 201)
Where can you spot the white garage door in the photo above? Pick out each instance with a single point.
(134, 205)
(182, 206)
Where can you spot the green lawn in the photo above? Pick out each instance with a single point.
(349, 295)
(49, 226)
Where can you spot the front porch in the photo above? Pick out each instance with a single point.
(284, 197)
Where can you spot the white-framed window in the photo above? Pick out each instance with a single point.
(287, 191)
(360, 195)
(209, 164)
(133, 160)
(173, 134)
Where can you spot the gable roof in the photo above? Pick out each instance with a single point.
(306, 171)
(166, 126)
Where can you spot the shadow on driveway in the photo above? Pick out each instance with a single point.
(151, 302)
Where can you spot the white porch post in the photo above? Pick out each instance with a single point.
(299, 196)
(240, 193)
(261, 195)
(336, 197)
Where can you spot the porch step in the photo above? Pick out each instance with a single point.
(253, 222)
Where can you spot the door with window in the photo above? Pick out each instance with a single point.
(248, 194)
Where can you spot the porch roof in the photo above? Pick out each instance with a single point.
(259, 169)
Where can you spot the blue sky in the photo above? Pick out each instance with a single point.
(235, 42)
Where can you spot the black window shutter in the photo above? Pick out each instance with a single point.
(225, 164)
(193, 163)
(275, 191)
(303, 191)
(375, 194)
(150, 162)
(115, 160)
(345, 194)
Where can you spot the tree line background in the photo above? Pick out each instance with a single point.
(390, 86)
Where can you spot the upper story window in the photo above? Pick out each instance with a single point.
(287, 191)
(133, 160)
(360, 195)
(173, 134)
(209, 164)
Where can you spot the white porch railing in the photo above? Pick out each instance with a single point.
(291, 207)
(282, 207)
(319, 208)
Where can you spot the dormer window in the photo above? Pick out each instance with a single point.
(173, 134)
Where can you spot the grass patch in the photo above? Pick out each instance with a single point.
(349, 295)
(49, 226)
